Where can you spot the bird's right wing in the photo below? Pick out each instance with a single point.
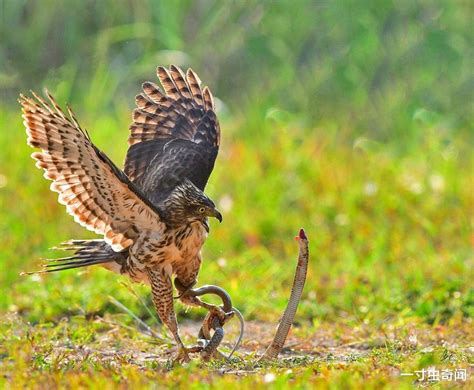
(95, 192)
(184, 112)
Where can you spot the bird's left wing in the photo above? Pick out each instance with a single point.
(95, 192)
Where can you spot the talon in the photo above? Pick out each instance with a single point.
(219, 312)
(221, 315)
(182, 357)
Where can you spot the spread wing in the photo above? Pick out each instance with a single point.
(175, 134)
(95, 192)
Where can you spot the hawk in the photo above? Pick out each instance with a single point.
(153, 215)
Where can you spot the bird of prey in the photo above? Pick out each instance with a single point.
(153, 215)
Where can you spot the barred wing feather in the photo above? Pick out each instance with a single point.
(184, 111)
(95, 192)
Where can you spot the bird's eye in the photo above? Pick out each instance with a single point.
(201, 210)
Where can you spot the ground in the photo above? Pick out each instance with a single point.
(107, 352)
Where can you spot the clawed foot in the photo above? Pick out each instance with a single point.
(182, 357)
(183, 354)
(217, 311)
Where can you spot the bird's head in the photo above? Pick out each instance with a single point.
(187, 203)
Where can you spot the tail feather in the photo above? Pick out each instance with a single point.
(86, 253)
(71, 265)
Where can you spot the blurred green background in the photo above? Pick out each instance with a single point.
(352, 119)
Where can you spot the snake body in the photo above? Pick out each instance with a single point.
(289, 315)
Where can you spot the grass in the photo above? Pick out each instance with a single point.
(355, 127)
(389, 243)
(81, 352)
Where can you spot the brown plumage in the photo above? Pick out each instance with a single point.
(106, 202)
(153, 215)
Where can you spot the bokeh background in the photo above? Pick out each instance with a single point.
(352, 119)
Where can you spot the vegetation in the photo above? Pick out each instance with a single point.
(351, 120)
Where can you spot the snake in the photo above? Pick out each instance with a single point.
(212, 321)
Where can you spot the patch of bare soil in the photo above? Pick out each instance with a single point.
(327, 343)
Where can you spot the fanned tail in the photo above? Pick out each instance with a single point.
(85, 253)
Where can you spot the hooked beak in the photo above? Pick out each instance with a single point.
(216, 214)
